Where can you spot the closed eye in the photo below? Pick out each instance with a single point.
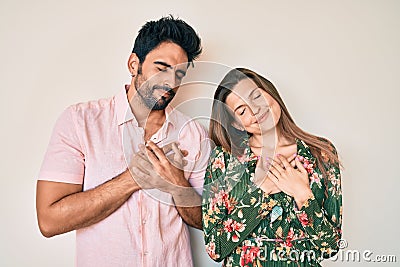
(242, 111)
(257, 96)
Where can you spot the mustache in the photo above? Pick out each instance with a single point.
(165, 88)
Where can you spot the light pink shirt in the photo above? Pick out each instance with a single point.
(88, 146)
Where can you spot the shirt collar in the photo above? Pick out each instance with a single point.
(123, 109)
(125, 114)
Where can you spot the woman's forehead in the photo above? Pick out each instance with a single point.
(244, 87)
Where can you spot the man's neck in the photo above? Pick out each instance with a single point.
(150, 120)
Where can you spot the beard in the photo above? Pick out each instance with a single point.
(146, 92)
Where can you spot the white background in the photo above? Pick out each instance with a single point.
(335, 63)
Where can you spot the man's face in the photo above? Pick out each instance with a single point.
(159, 76)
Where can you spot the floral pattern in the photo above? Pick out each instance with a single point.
(243, 226)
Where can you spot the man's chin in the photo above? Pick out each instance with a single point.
(161, 105)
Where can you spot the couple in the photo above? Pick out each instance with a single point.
(267, 186)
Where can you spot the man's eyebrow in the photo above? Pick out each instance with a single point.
(163, 64)
(169, 66)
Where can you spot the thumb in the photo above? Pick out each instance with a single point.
(178, 157)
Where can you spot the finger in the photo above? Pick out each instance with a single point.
(184, 162)
(277, 165)
(178, 156)
(291, 160)
(153, 159)
(184, 152)
(142, 163)
(275, 172)
(284, 162)
(138, 175)
(167, 148)
(142, 154)
(157, 151)
(273, 178)
(300, 166)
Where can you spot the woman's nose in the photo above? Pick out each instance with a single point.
(255, 109)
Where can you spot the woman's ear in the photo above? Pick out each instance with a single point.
(238, 126)
(133, 64)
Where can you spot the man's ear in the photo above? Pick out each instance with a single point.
(133, 64)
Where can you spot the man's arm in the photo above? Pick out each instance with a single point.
(64, 207)
(188, 204)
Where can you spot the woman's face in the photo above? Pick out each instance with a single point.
(254, 109)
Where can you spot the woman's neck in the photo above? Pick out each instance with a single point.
(269, 143)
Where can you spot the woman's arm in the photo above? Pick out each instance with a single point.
(322, 223)
(229, 218)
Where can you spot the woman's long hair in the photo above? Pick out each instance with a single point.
(231, 139)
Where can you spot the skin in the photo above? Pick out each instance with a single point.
(258, 113)
(64, 207)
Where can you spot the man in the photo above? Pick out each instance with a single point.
(123, 214)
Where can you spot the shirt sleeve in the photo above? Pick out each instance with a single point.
(322, 223)
(229, 219)
(64, 158)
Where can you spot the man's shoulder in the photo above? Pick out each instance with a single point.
(99, 104)
(92, 108)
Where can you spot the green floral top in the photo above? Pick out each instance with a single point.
(246, 227)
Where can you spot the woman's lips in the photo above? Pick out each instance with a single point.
(263, 117)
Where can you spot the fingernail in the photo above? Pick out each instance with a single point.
(295, 154)
(267, 159)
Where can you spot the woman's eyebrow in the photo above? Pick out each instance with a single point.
(238, 107)
(252, 92)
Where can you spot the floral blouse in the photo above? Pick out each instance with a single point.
(243, 226)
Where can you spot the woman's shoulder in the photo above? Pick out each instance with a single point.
(218, 150)
(324, 140)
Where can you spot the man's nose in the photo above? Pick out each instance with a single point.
(170, 79)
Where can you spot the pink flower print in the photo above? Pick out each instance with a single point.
(237, 226)
(289, 238)
(315, 178)
(218, 164)
(249, 254)
(210, 248)
(303, 218)
(228, 225)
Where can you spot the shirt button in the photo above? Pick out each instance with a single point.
(144, 221)
(145, 253)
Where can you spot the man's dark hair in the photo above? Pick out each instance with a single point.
(168, 29)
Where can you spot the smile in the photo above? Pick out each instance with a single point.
(263, 117)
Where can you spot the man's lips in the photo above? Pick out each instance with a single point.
(161, 92)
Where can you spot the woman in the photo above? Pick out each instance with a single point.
(272, 194)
